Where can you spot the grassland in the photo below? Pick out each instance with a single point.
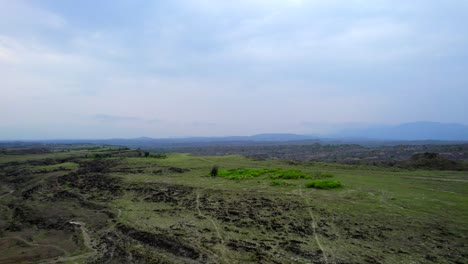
(120, 207)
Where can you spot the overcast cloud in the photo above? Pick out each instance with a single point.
(101, 69)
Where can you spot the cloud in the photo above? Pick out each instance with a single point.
(112, 118)
(24, 16)
(202, 124)
(206, 67)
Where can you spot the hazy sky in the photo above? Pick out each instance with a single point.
(128, 68)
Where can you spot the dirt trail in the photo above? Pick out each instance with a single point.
(5, 194)
(87, 242)
(37, 245)
(437, 190)
(8, 191)
(86, 238)
(314, 227)
(66, 259)
(223, 253)
(435, 179)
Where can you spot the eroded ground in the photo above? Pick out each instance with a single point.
(111, 205)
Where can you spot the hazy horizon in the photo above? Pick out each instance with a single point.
(413, 131)
(107, 69)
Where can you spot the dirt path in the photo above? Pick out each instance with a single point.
(5, 194)
(67, 259)
(86, 238)
(435, 179)
(37, 245)
(223, 253)
(314, 227)
(87, 242)
(437, 190)
(8, 190)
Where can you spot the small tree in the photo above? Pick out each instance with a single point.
(146, 154)
(214, 171)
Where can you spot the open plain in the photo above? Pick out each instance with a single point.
(101, 204)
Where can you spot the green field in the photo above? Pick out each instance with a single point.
(121, 207)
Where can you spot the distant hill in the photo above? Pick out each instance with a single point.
(272, 137)
(410, 131)
(416, 133)
(260, 139)
(280, 137)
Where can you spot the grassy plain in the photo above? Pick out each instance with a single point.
(126, 208)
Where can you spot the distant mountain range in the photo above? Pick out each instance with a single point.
(256, 138)
(260, 139)
(410, 131)
(417, 133)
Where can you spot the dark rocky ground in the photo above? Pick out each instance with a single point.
(390, 156)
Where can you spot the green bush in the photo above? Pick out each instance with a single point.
(274, 174)
(214, 171)
(323, 184)
(239, 174)
(288, 174)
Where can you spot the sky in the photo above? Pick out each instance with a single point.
(131, 68)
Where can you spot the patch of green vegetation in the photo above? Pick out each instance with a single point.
(323, 184)
(276, 173)
(290, 174)
(279, 183)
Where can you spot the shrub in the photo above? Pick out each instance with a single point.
(289, 175)
(239, 174)
(214, 171)
(323, 184)
(275, 174)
